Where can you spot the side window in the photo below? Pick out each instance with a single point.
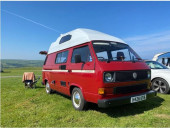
(45, 59)
(84, 52)
(61, 57)
(65, 38)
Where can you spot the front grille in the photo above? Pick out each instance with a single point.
(123, 76)
(129, 89)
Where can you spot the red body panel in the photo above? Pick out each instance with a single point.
(89, 83)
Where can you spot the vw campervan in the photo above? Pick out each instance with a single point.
(91, 66)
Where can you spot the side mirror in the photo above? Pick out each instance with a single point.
(77, 59)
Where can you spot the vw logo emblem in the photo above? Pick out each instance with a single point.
(135, 75)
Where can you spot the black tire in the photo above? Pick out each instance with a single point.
(160, 85)
(78, 100)
(48, 88)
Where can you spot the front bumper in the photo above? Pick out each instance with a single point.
(123, 100)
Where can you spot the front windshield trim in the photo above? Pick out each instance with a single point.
(130, 51)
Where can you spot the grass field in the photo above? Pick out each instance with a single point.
(22, 107)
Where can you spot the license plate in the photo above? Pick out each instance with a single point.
(137, 98)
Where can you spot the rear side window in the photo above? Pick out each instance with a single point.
(61, 57)
(65, 38)
(45, 60)
(84, 52)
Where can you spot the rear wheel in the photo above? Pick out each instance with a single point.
(160, 85)
(47, 88)
(78, 100)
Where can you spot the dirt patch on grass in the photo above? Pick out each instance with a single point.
(163, 116)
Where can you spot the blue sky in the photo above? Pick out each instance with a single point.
(29, 27)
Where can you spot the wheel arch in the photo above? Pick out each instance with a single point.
(45, 81)
(168, 84)
(158, 78)
(72, 86)
(168, 81)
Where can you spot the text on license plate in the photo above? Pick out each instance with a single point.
(137, 98)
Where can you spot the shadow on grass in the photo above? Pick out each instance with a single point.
(129, 109)
(123, 110)
(63, 95)
(39, 87)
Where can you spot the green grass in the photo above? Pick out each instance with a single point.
(22, 107)
(20, 71)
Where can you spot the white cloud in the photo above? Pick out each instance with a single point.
(149, 45)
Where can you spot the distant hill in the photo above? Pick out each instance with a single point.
(10, 63)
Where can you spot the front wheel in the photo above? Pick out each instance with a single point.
(160, 85)
(78, 100)
(47, 88)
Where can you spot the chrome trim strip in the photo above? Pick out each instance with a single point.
(83, 71)
(74, 71)
(55, 70)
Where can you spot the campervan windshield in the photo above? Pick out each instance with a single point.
(114, 51)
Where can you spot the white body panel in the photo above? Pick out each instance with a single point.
(161, 73)
(80, 36)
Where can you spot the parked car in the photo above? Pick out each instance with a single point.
(160, 77)
(91, 66)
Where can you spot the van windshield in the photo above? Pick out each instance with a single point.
(114, 51)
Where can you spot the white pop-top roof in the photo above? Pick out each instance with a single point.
(156, 56)
(167, 55)
(80, 36)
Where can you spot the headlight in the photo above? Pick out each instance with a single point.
(108, 77)
(149, 74)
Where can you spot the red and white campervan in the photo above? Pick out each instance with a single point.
(91, 66)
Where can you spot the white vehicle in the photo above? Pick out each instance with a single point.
(160, 77)
(163, 58)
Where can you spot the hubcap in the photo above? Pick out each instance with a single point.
(159, 86)
(47, 88)
(76, 99)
